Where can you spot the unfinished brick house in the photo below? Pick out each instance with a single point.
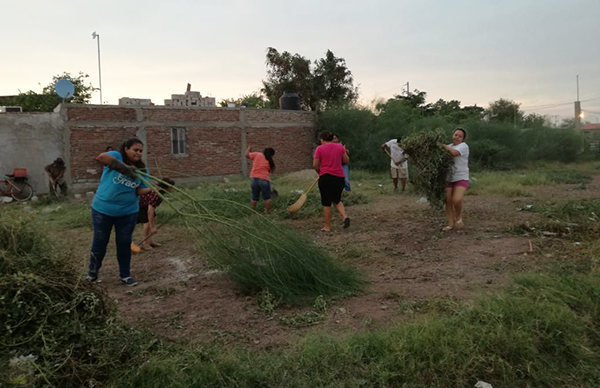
(191, 143)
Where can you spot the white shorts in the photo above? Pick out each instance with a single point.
(401, 173)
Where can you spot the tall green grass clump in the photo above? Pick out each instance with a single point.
(258, 254)
(55, 331)
(432, 162)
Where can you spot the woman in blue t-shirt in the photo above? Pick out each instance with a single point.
(116, 204)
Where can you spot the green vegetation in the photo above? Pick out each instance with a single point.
(433, 164)
(47, 100)
(492, 144)
(56, 330)
(541, 332)
(514, 184)
(258, 254)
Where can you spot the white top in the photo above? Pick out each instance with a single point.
(460, 171)
(397, 154)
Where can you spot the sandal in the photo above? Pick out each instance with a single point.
(325, 230)
(459, 224)
(447, 228)
(346, 222)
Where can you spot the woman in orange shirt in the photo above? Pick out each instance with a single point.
(262, 166)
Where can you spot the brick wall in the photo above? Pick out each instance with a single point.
(95, 114)
(293, 146)
(215, 137)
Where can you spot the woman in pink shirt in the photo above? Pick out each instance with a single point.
(262, 166)
(327, 163)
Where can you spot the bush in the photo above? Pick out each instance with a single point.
(492, 145)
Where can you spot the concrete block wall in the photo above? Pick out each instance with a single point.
(31, 141)
(216, 139)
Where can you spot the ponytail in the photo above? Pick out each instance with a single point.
(269, 153)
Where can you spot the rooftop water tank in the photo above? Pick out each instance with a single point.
(289, 101)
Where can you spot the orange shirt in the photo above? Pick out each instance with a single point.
(260, 166)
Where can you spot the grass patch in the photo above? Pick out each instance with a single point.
(514, 184)
(577, 220)
(543, 331)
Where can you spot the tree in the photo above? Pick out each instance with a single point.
(334, 82)
(568, 123)
(504, 111)
(452, 112)
(534, 120)
(327, 84)
(253, 100)
(46, 101)
(417, 101)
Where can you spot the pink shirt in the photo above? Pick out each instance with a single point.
(330, 156)
(260, 166)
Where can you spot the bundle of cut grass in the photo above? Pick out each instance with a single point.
(432, 162)
(259, 254)
(56, 329)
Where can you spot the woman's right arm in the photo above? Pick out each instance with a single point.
(345, 158)
(452, 151)
(115, 164)
(105, 158)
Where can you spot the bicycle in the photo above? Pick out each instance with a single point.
(16, 186)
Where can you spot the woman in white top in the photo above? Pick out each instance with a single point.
(458, 180)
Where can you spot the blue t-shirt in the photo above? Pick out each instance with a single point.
(116, 196)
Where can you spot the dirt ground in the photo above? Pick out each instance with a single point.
(395, 242)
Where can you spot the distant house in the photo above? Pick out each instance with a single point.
(590, 127)
(135, 101)
(591, 133)
(190, 99)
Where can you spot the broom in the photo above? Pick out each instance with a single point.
(300, 202)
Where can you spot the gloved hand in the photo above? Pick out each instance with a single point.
(128, 171)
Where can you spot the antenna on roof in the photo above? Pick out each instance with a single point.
(64, 88)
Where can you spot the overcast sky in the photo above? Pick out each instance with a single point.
(471, 51)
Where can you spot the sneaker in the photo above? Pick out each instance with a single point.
(93, 279)
(129, 281)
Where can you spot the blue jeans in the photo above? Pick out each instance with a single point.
(347, 177)
(124, 227)
(260, 186)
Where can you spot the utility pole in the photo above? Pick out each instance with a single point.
(577, 110)
(94, 36)
(407, 89)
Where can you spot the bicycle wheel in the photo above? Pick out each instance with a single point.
(21, 191)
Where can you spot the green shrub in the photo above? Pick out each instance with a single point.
(492, 145)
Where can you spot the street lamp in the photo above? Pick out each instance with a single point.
(94, 36)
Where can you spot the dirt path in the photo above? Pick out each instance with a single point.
(395, 243)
